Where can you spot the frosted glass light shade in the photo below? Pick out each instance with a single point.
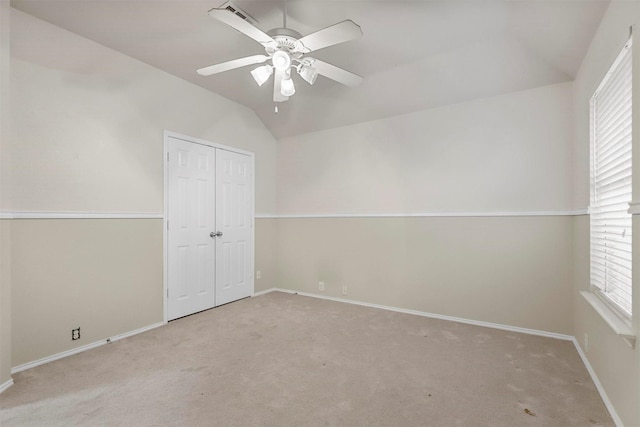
(281, 60)
(261, 74)
(286, 87)
(310, 74)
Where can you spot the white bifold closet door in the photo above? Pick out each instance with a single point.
(234, 273)
(210, 227)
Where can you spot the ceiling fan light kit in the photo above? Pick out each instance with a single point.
(287, 87)
(286, 49)
(281, 60)
(262, 74)
(309, 74)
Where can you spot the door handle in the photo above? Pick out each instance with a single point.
(215, 234)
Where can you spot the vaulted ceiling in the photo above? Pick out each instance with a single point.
(414, 54)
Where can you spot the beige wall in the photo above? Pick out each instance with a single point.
(5, 302)
(5, 256)
(614, 362)
(510, 153)
(103, 275)
(513, 271)
(87, 136)
(266, 253)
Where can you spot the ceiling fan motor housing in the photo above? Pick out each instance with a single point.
(287, 40)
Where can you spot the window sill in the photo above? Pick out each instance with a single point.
(614, 321)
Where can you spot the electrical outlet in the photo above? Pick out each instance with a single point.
(321, 286)
(344, 290)
(586, 342)
(75, 334)
(258, 274)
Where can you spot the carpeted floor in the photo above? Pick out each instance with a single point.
(289, 360)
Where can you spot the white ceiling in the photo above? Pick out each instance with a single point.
(413, 55)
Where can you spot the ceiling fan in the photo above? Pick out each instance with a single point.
(286, 50)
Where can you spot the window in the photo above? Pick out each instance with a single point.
(611, 185)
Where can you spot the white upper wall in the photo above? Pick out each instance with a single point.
(88, 122)
(612, 34)
(5, 35)
(507, 153)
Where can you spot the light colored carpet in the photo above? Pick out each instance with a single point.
(289, 360)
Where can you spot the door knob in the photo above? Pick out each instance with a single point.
(215, 234)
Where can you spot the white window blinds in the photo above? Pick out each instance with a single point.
(611, 184)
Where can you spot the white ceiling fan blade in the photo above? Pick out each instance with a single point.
(335, 34)
(230, 65)
(277, 86)
(345, 77)
(243, 26)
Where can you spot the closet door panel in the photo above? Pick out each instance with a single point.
(191, 218)
(234, 182)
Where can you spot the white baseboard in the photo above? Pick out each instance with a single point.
(77, 350)
(266, 291)
(594, 377)
(431, 315)
(134, 332)
(598, 384)
(6, 385)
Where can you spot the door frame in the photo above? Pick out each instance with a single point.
(165, 214)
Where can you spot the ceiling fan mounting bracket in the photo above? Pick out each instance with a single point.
(287, 32)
